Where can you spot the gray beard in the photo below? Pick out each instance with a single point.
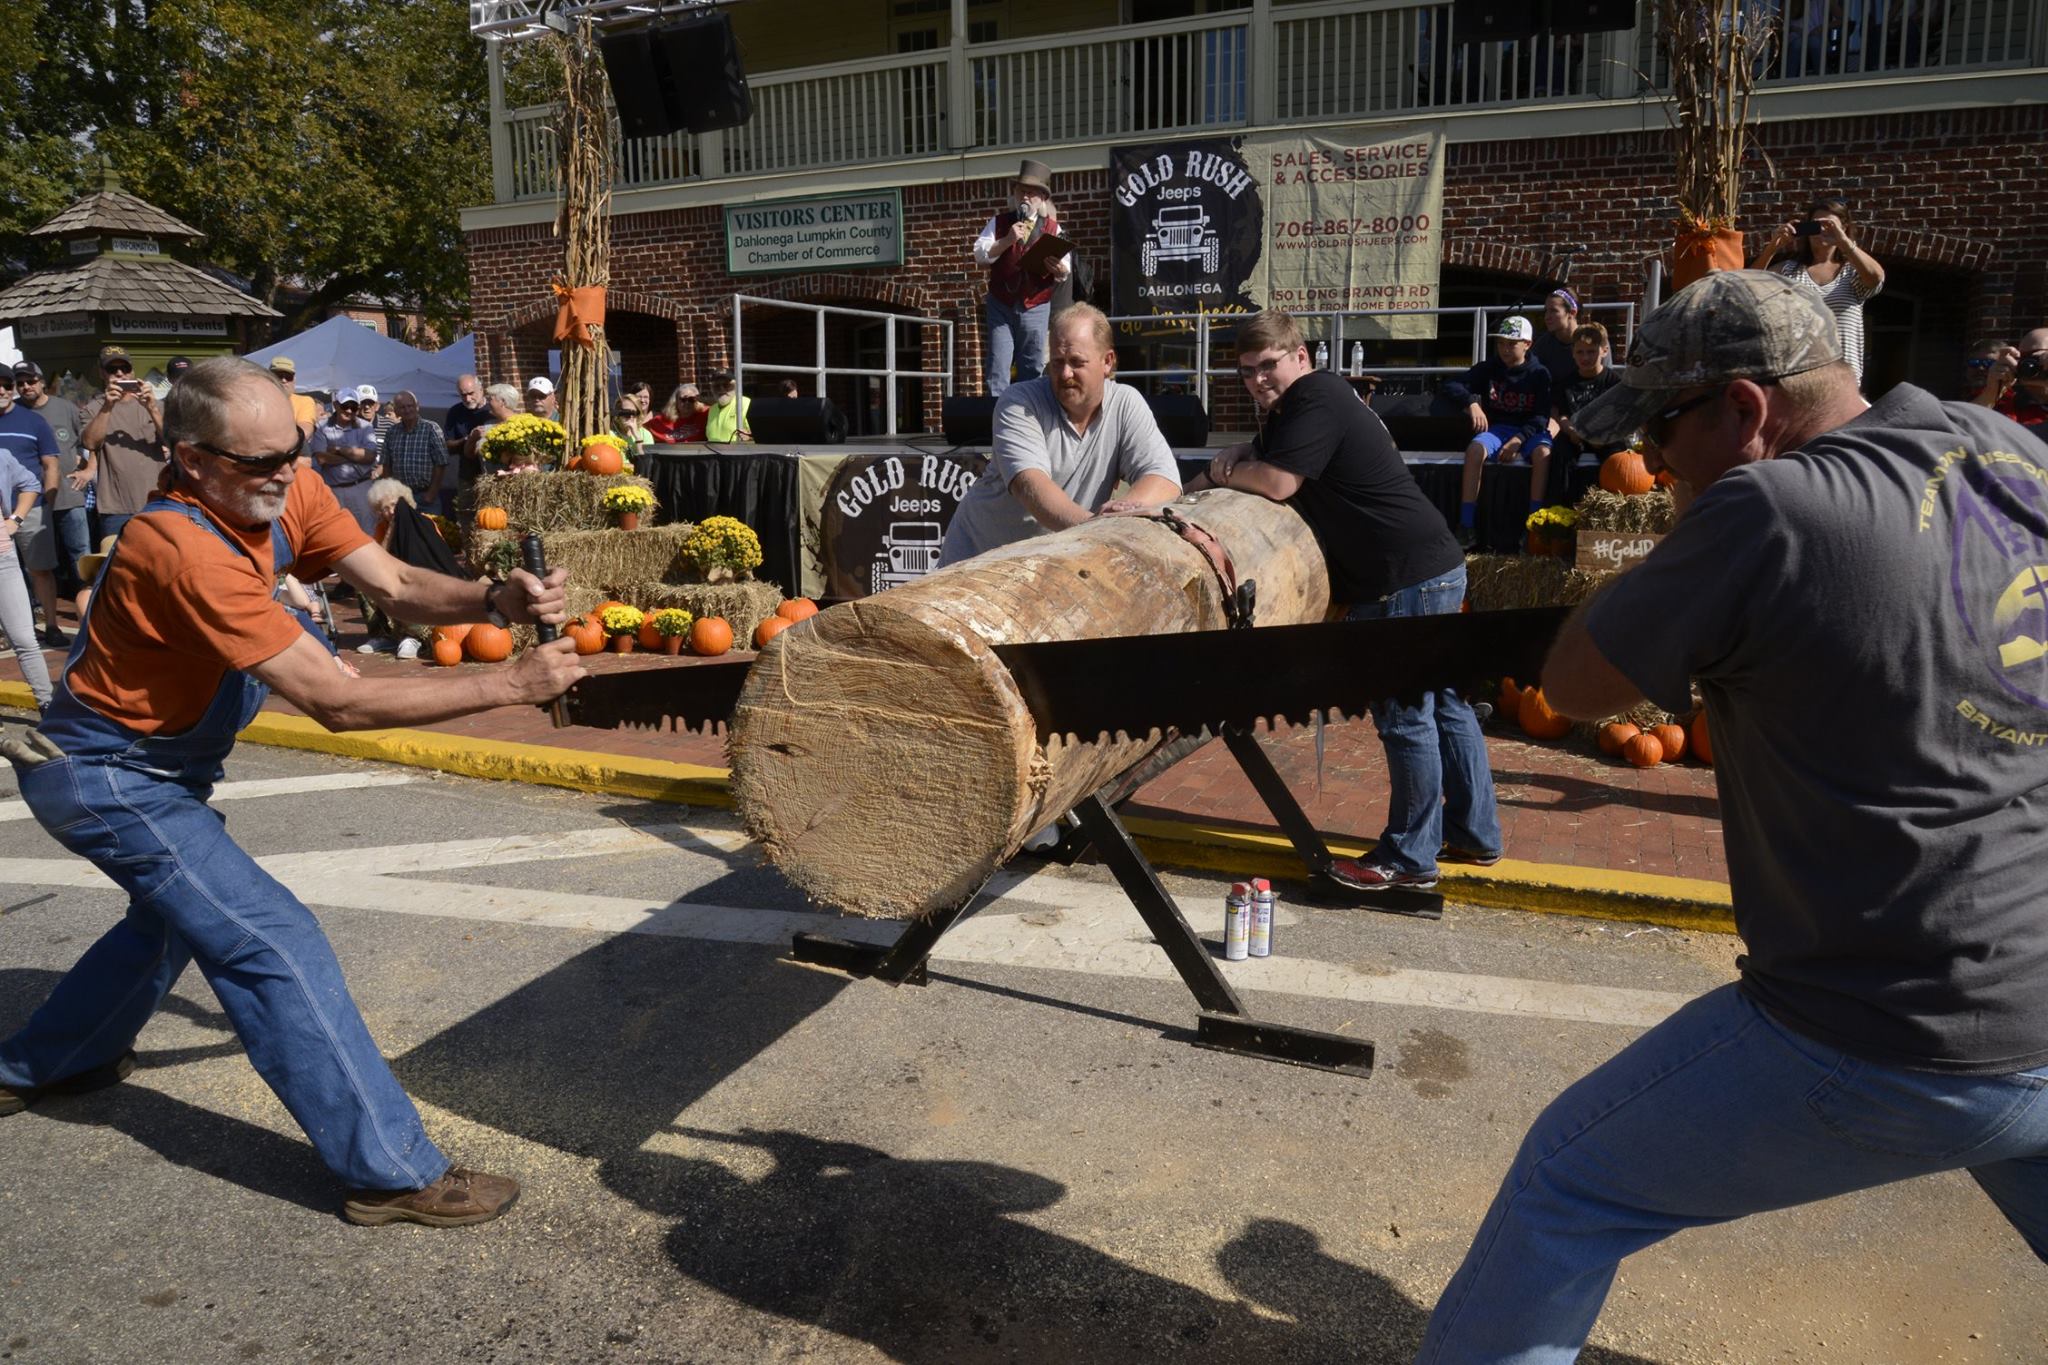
(254, 506)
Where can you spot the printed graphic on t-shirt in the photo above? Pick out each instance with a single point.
(1998, 579)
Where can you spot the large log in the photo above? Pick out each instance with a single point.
(881, 752)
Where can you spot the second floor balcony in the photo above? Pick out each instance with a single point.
(960, 87)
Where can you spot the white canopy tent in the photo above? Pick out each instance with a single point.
(341, 354)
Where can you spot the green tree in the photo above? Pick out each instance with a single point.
(329, 144)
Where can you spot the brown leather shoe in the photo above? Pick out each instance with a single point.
(99, 1078)
(456, 1200)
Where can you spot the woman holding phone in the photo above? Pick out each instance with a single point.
(1820, 254)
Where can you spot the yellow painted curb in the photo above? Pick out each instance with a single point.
(1596, 893)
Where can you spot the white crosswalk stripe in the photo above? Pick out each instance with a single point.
(258, 788)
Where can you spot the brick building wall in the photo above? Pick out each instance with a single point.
(1949, 201)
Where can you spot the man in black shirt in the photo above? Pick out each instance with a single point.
(1389, 553)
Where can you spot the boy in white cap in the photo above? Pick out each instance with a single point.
(1509, 400)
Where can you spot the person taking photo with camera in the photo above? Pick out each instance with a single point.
(2018, 384)
(1819, 254)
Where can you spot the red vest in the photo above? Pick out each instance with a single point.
(1007, 281)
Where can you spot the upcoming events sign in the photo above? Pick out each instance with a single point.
(1331, 221)
(832, 232)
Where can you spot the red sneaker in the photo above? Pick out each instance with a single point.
(1378, 876)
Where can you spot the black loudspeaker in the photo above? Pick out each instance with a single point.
(1182, 419)
(1481, 21)
(1589, 16)
(969, 421)
(810, 421)
(640, 85)
(685, 74)
(703, 60)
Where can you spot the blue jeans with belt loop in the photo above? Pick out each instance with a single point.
(1439, 787)
(1014, 334)
(136, 806)
(1718, 1112)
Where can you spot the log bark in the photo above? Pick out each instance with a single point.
(881, 752)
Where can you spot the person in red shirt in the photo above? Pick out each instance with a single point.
(682, 419)
(180, 643)
(2018, 383)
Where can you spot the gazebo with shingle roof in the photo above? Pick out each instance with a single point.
(121, 287)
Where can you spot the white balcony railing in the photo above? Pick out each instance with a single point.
(1107, 83)
(1328, 60)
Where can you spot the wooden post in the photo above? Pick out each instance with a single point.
(881, 752)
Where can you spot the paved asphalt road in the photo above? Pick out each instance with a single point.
(729, 1158)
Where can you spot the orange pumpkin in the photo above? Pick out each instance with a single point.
(1614, 735)
(769, 629)
(602, 460)
(457, 634)
(1702, 748)
(597, 612)
(1644, 751)
(797, 609)
(447, 652)
(490, 518)
(1510, 702)
(710, 635)
(650, 638)
(1672, 739)
(1538, 720)
(588, 635)
(488, 644)
(1665, 478)
(1624, 472)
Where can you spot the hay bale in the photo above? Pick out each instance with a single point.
(561, 500)
(743, 605)
(606, 560)
(1509, 582)
(1652, 512)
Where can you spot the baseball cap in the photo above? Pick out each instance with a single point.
(111, 354)
(540, 383)
(1733, 324)
(1515, 329)
(366, 394)
(27, 369)
(283, 363)
(347, 396)
(177, 365)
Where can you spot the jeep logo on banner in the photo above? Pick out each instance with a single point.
(884, 518)
(1333, 221)
(1186, 227)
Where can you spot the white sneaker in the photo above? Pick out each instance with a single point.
(408, 648)
(379, 646)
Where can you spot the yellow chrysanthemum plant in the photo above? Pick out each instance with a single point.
(525, 442)
(722, 548)
(673, 621)
(622, 620)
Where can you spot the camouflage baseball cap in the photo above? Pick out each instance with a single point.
(1734, 324)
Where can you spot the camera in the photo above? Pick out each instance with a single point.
(2031, 366)
(129, 385)
(1809, 228)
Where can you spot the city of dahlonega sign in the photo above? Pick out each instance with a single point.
(831, 232)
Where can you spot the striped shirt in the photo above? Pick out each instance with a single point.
(411, 457)
(1844, 295)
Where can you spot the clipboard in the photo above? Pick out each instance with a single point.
(1043, 249)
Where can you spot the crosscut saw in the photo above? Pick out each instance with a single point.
(1087, 689)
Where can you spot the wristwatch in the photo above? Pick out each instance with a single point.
(491, 612)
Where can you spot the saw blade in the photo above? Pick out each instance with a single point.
(693, 696)
(1088, 690)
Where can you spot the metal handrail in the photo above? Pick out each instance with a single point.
(820, 371)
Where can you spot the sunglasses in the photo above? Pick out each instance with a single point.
(255, 464)
(118, 369)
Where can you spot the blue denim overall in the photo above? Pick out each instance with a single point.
(136, 806)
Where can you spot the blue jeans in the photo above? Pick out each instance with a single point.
(1716, 1113)
(73, 543)
(1015, 335)
(112, 522)
(1439, 787)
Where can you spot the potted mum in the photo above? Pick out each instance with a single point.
(722, 549)
(672, 624)
(627, 503)
(622, 623)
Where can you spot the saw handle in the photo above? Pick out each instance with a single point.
(533, 558)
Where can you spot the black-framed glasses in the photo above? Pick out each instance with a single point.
(255, 464)
(119, 367)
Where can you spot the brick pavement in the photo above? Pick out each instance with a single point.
(1560, 803)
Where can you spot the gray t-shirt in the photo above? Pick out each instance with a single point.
(1032, 431)
(62, 415)
(1867, 618)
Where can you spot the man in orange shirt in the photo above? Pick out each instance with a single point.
(180, 644)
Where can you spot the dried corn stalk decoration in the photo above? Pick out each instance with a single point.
(585, 135)
(1716, 50)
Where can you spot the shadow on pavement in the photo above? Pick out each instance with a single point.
(1576, 793)
(929, 1262)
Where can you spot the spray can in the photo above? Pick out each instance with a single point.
(1322, 355)
(1237, 922)
(1260, 942)
(1357, 359)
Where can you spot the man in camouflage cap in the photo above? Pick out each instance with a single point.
(1860, 595)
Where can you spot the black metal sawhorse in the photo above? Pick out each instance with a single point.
(1223, 1023)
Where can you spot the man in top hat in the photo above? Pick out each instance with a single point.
(1837, 567)
(1019, 303)
(122, 441)
(304, 411)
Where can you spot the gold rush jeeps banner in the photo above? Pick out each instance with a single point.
(1328, 221)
